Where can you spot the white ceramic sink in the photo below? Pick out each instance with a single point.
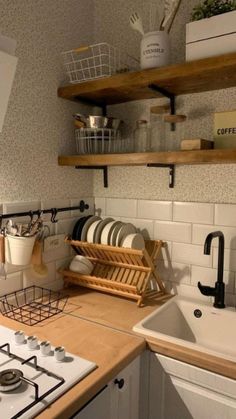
(214, 332)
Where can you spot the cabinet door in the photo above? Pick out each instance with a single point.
(125, 400)
(98, 408)
(181, 391)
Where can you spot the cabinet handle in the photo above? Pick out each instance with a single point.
(120, 382)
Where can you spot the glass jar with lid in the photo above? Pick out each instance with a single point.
(141, 136)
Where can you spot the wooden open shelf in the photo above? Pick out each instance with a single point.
(207, 74)
(140, 159)
(118, 270)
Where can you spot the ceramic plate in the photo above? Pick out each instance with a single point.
(92, 230)
(106, 232)
(99, 229)
(133, 241)
(76, 226)
(114, 233)
(124, 231)
(86, 226)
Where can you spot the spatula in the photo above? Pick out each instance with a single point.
(136, 22)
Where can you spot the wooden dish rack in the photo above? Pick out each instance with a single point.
(118, 270)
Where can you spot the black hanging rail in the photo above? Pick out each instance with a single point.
(53, 211)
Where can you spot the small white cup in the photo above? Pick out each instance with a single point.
(32, 342)
(59, 353)
(45, 348)
(19, 337)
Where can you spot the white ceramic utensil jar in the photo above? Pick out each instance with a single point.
(155, 50)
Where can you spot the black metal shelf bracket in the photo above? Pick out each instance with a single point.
(105, 172)
(171, 171)
(167, 94)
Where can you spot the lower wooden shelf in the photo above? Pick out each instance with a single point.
(214, 156)
(119, 271)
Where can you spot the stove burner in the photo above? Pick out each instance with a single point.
(10, 379)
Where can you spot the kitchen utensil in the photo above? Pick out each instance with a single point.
(153, 16)
(81, 265)
(170, 9)
(114, 233)
(126, 229)
(92, 230)
(106, 232)
(136, 23)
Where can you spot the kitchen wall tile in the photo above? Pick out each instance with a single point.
(187, 291)
(180, 232)
(13, 282)
(60, 253)
(12, 207)
(230, 300)
(56, 285)
(208, 276)
(30, 277)
(65, 226)
(62, 264)
(225, 215)
(201, 231)
(56, 203)
(173, 271)
(229, 259)
(193, 212)
(88, 200)
(155, 210)
(190, 254)
(166, 251)
(145, 227)
(121, 207)
(100, 207)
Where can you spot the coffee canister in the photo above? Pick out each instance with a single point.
(155, 50)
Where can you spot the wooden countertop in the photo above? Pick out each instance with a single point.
(111, 350)
(98, 327)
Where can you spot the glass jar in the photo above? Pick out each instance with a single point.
(157, 129)
(141, 137)
(174, 137)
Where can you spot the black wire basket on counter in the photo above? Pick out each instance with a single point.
(32, 305)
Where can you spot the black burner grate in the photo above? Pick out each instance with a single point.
(32, 305)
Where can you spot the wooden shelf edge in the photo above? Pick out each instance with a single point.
(212, 73)
(215, 156)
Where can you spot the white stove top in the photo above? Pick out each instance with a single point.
(72, 369)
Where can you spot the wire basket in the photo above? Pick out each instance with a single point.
(98, 141)
(96, 61)
(32, 305)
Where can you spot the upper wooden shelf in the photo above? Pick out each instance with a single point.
(141, 159)
(207, 74)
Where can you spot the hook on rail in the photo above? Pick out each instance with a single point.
(54, 214)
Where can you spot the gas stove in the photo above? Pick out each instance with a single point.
(33, 374)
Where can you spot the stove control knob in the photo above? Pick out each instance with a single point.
(45, 348)
(19, 337)
(59, 353)
(32, 342)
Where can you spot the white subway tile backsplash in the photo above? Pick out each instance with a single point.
(14, 207)
(190, 254)
(121, 207)
(173, 271)
(30, 277)
(201, 231)
(145, 227)
(65, 226)
(193, 212)
(229, 259)
(155, 210)
(187, 291)
(225, 214)
(13, 282)
(87, 200)
(208, 276)
(179, 232)
(100, 207)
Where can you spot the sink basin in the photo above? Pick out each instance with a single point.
(193, 324)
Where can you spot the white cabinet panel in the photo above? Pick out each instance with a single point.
(7, 73)
(181, 391)
(99, 407)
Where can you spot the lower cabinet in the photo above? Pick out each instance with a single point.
(119, 399)
(182, 391)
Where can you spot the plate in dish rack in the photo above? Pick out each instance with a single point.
(99, 229)
(86, 226)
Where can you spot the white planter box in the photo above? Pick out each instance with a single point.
(213, 36)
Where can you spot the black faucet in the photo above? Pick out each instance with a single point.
(219, 290)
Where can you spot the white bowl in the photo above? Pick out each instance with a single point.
(81, 265)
